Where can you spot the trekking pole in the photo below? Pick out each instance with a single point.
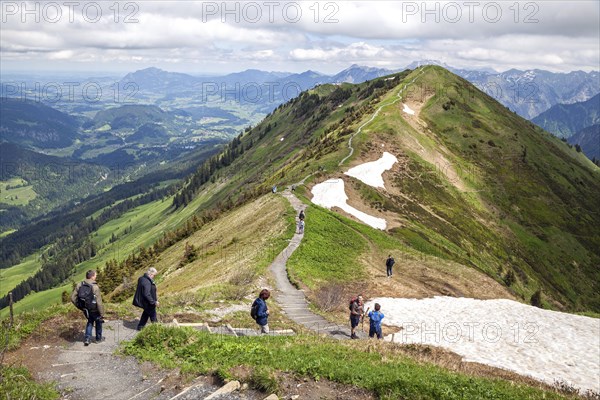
(363, 319)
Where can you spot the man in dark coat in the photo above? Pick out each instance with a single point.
(145, 297)
(389, 263)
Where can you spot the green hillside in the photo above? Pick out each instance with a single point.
(565, 120)
(32, 184)
(479, 192)
(537, 197)
(32, 123)
(476, 184)
(129, 116)
(589, 141)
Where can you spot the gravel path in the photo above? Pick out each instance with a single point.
(293, 301)
(94, 372)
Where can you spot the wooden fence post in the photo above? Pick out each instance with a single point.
(10, 303)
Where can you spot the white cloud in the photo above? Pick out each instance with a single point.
(354, 51)
(384, 33)
(61, 55)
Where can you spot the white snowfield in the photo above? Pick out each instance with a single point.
(408, 110)
(331, 194)
(371, 173)
(546, 345)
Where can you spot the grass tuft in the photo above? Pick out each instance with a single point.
(387, 374)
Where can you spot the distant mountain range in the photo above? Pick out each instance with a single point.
(528, 93)
(589, 140)
(565, 120)
(579, 123)
(158, 105)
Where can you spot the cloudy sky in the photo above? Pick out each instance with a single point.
(326, 36)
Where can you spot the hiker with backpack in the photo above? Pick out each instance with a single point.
(375, 318)
(389, 263)
(260, 312)
(301, 227)
(301, 216)
(356, 313)
(86, 296)
(145, 297)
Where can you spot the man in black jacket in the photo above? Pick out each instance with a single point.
(389, 263)
(145, 297)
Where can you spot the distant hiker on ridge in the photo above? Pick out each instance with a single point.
(356, 312)
(375, 318)
(389, 263)
(86, 296)
(145, 297)
(260, 312)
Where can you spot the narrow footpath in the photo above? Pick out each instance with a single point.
(95, 372)
(292, 300)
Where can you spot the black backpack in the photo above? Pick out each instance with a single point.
(254, 310)
(85, 297)
(352, 301)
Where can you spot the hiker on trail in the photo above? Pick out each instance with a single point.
(260, 311)
(274, 189)
(356, 313)
(301, 216)
(301, 226)
(145, 297)
(86, 296)
(389, 263)
(375, 318)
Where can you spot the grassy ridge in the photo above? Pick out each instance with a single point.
(387, 375)
(231, 253)
(328, 253)
(538, 191)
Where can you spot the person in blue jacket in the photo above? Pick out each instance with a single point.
(375, 318)
(261, 312)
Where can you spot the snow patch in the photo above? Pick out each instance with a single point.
(331, 194)
(546, 345)
(408, 110)
(371, 173)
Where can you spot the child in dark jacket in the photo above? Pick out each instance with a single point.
(375, 318)
(262, 313)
